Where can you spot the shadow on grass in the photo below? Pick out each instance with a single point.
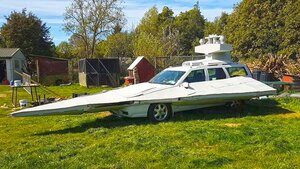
(106, 122)
(251, 108)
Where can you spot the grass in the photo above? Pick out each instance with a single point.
(265, 135)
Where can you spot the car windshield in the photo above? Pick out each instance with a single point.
(168, 77)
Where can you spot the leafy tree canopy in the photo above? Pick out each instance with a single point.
(259, 27)
(148, 45)
(190, 25)
(156, 34)
(116, 45)
(217, 26)
(172, 35)
(65, 50)
(149, 24)
(26, 31)
(291, 34)
(2, 43)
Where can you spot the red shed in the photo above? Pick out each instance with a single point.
(49, 70)
(141, 70)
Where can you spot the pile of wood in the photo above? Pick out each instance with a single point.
(294, 67)
(278, 65)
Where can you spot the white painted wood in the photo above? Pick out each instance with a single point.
(9, 70)
(135, 63)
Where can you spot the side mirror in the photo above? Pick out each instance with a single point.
(186, 85)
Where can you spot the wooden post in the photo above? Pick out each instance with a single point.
(37, 70)
(39, 99)
(155, 63)
(36, 96)
(31, 93)
(12, 95)
(16, 98)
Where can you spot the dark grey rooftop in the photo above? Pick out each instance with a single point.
(8, 52)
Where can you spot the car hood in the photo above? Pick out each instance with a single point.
(139, 89)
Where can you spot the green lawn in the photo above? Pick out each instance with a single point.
(265, 135)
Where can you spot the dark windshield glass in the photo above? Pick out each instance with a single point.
(216, 73)
(236, 71)
(167, 77)
(195, 76)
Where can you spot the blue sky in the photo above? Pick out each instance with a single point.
(51, 11)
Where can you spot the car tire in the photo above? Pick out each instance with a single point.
(159, 112)
(236, 105)
(58, 82)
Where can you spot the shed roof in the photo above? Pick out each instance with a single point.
(8, 52)
(48, 57)
(136, 62)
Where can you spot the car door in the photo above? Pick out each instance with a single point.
(196, 76)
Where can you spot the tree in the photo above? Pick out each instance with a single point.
(116, 45)
(190, 25)
(148, 45)
(156, 35)
(91, 20)
(65, 50)
(149, 24)
(291, 35)
(169, 35)
(257, 27)
(26, 31)
(217, 26)
(2, 43)
(166, 21)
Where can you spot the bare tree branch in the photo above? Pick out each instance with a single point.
(92, 20)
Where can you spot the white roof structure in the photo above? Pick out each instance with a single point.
(136, 62)
(204, 62)
(215, 49)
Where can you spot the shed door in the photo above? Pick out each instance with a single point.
(2, 70)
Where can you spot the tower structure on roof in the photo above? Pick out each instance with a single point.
(215, 48)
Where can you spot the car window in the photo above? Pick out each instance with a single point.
(236, 71)
(195, 76)
(216, 73)
(167, 77)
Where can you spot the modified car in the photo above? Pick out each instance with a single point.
(212, 81)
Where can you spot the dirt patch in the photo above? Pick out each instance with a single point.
(4, 106)
(232, 124)
(290, 115)
(104, 114)
(3, 95)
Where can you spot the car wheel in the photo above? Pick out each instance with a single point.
(237, 105)
(58, 82)
(159, 112)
